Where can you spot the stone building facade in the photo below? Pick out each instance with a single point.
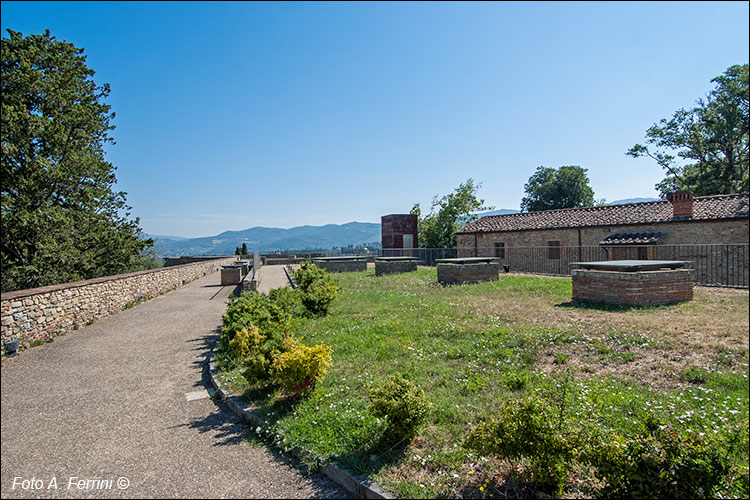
(679, 228)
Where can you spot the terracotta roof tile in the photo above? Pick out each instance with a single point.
(730, 206)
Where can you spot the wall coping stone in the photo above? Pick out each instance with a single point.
(635, 276)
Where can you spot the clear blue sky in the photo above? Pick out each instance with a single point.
(234, 115)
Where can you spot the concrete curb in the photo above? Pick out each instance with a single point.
(362, 488)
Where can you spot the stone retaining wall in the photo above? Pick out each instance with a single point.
(467, 273)
(633, 289)
(392, 267)
(334, 266)
(41, 313)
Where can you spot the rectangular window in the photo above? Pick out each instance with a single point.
(553, 250)
(500, 250)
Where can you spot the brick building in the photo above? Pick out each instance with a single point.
(613, 232)
(399, 231)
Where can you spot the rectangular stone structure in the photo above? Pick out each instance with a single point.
(394, 265)
(231, 275)
(342, 264)
(453, 273)
(639, 288)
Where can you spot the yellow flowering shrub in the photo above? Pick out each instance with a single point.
(299, 367)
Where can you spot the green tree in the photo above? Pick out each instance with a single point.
(549, 189)
(705, 149)
(447, 215)
(243, 251)
(61, 220)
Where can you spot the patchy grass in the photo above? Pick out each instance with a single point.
(472, 346)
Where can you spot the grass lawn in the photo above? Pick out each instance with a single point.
(471, 347)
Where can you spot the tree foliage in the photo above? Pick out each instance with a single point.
(549, 189)
(447, 215)
(61, 220)
(705, 149)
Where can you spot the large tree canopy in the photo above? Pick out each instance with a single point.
(61, 220)
(549, 189)
(705, 149)
(447, 215)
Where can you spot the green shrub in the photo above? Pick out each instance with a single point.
(403, 404)
(288, 301)
(239, 345)
(525, 429)
(252, 309)
(299, 367)
(307, 274)
(259, 355)
(318, 288)
(658, 464)
(318, 297)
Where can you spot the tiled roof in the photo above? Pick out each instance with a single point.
(730, 206)
(632, 239)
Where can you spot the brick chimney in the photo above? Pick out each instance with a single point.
(682, 204)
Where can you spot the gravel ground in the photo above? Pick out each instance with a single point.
(103, 412)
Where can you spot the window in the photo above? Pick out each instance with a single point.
(500, 250)
(553, 250)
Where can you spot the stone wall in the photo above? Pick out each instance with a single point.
(41, 313)
(467, 273)
(633, 289)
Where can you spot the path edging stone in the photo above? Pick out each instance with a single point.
(362, 488)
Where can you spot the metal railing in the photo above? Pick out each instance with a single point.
(714, 264)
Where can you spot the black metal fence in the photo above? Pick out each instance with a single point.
(715, 265)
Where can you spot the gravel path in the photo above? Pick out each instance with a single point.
(125, 398)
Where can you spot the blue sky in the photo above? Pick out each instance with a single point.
(232, 115)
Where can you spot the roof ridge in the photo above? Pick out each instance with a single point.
(643, 212)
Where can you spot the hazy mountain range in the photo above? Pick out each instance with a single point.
(272, 239)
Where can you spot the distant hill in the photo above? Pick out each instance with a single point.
(631, 200)
(501, 211)
(270, 239)
(163, 237)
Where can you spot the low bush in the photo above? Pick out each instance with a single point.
(252, 310)
(661, 463)
(403, 404)
(299, 367)
(318, 288)
(524, 429)
(288, 300)
(657, 463)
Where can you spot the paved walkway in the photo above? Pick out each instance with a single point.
(125, 398)
(272, 277)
